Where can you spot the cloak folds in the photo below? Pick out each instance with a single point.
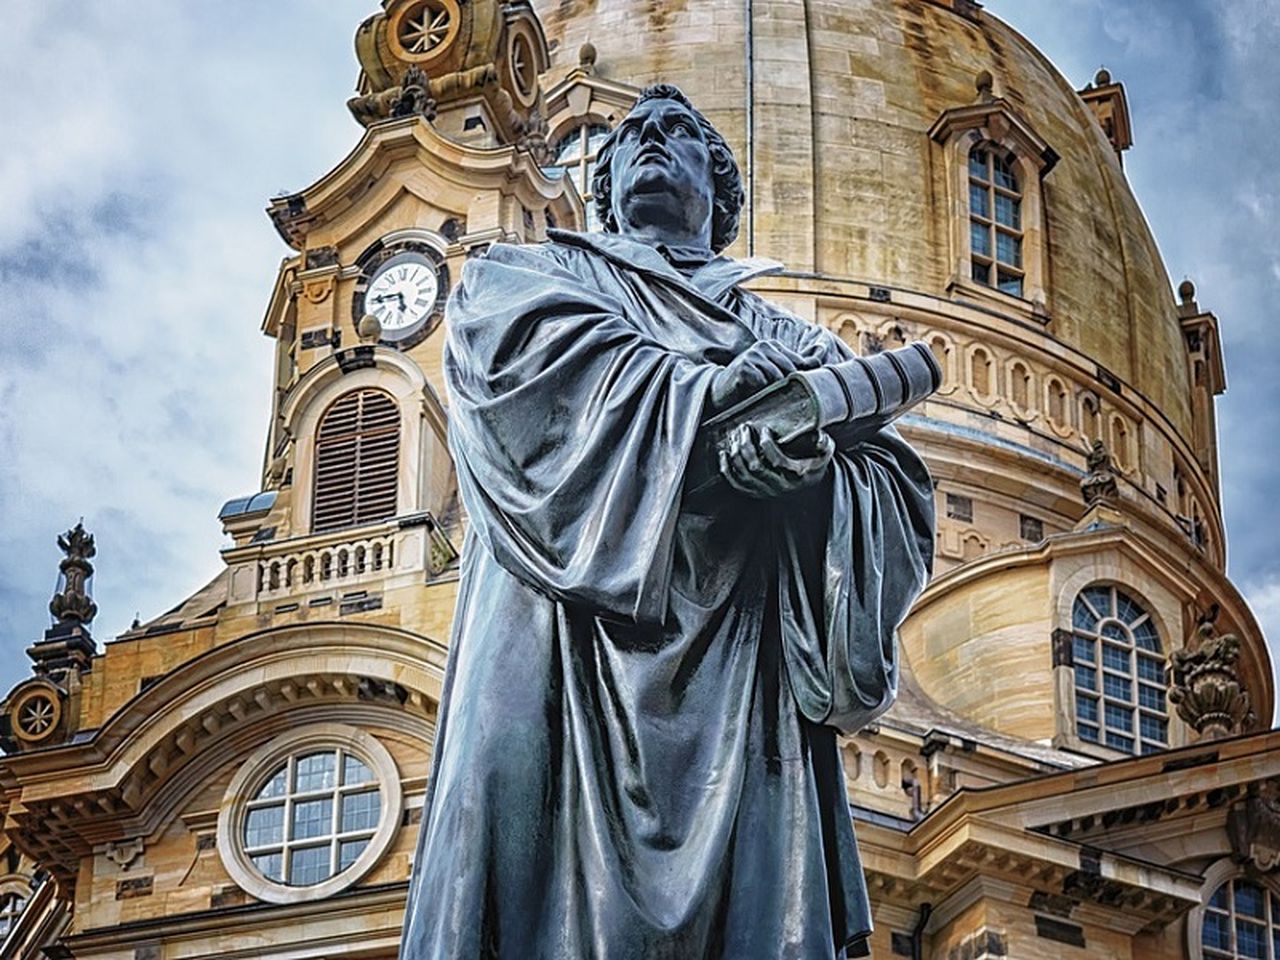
(637, 755)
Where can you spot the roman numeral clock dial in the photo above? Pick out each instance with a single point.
(404, 293)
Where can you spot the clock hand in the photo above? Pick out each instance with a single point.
(388, 296)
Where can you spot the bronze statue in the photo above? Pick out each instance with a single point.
(637, 752)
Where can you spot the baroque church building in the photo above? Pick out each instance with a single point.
(1079, 763)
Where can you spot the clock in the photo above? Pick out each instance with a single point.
(404, 286)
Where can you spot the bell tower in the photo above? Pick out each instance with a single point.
(449, 162)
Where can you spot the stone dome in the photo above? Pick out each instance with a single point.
(847, 180)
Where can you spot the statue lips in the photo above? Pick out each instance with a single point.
(651, 170)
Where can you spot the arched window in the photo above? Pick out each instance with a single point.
(1242, 920)
(11, 907)
(357, 452)
(1119, 672)
(575, 156)
(995, 220)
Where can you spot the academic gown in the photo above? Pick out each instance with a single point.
(637, 753)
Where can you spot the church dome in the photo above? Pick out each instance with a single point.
(848, 182)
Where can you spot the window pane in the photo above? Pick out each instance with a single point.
(1146, 637)
(1087, 709)
(1008, 211)
(269, 864)
(1251, 939)
(1004, 174)
(353, 771)
(1115, 658)
(1150, 697)
(1250, 900)
(312, 818)
(1216, 932)
(264, 826)
(1082, 617)
(596, 135)
(1010, 283)
(1151, 669)
(349, 851)
(1219, 898)
(1127, 609)
(316, 771)
(1119, 718)
(982, 273)
(360, 811)
(570, 148)
(978, 164)
(978, 202)
(1100, 599)
(1008, 248)
(1088, 732)
(1155, 729)
(1118, 688)
(1114, 631)
(1118, 742)
(1086, 678)
(275, 787)
(1084, 650)
(308, 865)
(980, 239)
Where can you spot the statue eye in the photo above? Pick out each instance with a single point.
(682, 128)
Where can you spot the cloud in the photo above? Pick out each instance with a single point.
(142, 143)
(1202, 86)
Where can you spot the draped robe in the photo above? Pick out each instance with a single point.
(637, 755)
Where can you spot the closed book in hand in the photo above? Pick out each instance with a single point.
(850, 400)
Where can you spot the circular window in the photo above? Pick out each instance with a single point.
(35, 714)
(424, 30)
(11, 907)
(309, 813)
(524, 68)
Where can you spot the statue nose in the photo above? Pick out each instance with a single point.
(651, 130)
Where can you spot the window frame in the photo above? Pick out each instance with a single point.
(254, 773)
(995, 124)
(995, 161)
(581, 168)
(361, 437)
(1218, 875)
(1104, 699)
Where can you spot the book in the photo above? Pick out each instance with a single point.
(850, 400)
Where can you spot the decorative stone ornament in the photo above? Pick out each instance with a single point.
(1253, 825)
(72, 604)
(1205, 686)
(1099, 485)
(33, 715)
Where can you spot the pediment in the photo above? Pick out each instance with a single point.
(996, 120)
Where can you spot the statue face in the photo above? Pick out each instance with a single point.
(662, 177)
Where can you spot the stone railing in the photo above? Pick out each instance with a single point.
(340, 561)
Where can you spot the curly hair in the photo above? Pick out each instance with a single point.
(728, 199)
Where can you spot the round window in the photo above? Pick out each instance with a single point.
(309, 813)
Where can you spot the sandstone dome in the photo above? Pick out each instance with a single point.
(847, 181)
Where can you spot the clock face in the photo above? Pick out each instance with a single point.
(402, 294)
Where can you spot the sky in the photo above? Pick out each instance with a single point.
(140, 142)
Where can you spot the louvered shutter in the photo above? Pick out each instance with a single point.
(357, 452)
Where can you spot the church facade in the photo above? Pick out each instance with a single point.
(1080, 761)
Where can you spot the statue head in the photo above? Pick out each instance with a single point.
(666, 172)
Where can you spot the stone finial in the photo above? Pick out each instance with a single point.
(587, 58)
(1099, 485)
(1187, 291)
(1102, 78)
(72, 603)
(1205, 686)
(985, 85)
(369, 328)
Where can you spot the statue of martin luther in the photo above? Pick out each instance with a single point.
(637, 756)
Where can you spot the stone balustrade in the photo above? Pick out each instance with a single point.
(339, 561)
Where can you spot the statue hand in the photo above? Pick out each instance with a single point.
(765, 362)
(756, 465)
